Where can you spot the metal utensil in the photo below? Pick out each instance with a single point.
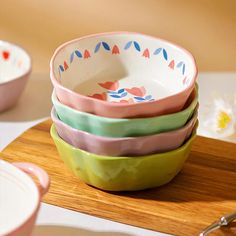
(223, 221)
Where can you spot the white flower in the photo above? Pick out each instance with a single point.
(221, 119)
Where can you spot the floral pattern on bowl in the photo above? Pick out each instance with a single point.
(123, 75)
(113, 91)
(115, 127)
(122, 95)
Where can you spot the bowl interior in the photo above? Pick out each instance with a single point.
(123, 67)
(18, 198)
(14, 62)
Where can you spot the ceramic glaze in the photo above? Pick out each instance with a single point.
(20, 198)
(14, 62)
(132, 146)
(125, 67)
(114, 127)
(15, 68)
(123, 173)
(14, 211)
(121, 68)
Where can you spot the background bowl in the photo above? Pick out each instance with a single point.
(131, 146)
(15, 67)
(123, 173)
(112, 127)
(20, 197)
(123, 74)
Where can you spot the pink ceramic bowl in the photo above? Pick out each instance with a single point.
(123, 74)
(15, 67)
(20, 197)
(131, 146)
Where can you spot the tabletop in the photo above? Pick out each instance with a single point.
(41, 26)
(186, 205)
(25, 115)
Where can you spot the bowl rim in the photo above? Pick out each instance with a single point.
(55, 136)
(192, 104)
(36, 201)
(30, 62)
(192, 120)
(110, 104)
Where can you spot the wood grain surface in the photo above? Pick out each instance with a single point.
(199, 195)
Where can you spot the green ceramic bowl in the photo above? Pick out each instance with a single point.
(112, 127)
(123, 173)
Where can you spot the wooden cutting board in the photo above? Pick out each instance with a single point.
(199, 195)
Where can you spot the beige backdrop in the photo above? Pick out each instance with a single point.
(205, 27)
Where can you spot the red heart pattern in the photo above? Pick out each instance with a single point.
(5, 55)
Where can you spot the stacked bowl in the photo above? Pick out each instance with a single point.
(124, 109)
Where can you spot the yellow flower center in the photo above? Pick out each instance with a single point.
(223, 120)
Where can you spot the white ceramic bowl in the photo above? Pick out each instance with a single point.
(123, 74)
(20, 197)
(15, 67)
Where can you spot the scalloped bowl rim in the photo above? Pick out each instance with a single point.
(109, 104)
(116, 120)
(16, 172)
(54, 135)
(54, 117)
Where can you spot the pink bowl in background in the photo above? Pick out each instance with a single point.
(15, 68)
(132, 146)
(20, 197)
(123, 75)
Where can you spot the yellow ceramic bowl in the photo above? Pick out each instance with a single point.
(123, 173)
